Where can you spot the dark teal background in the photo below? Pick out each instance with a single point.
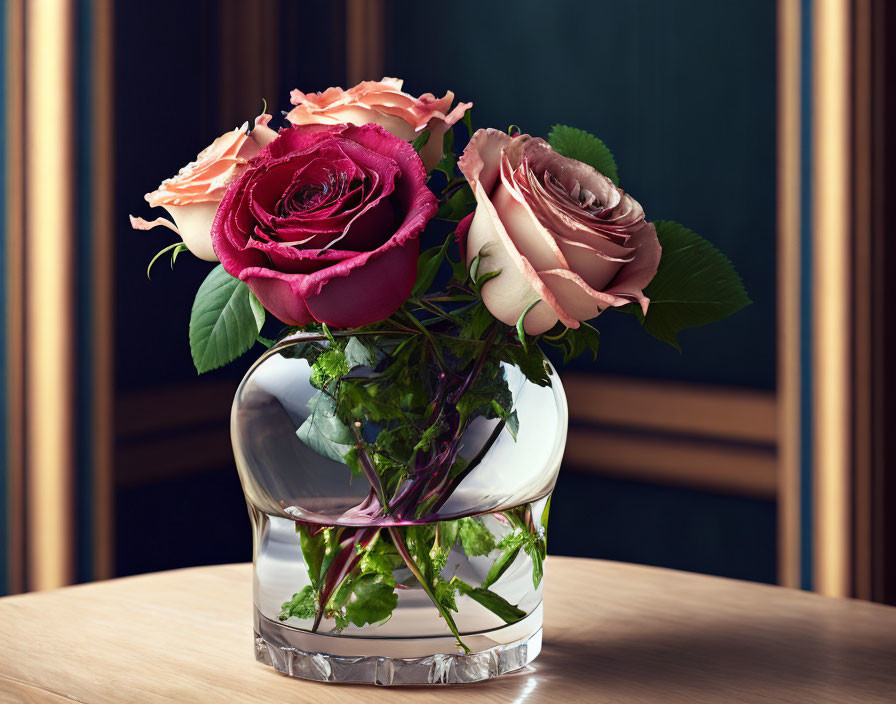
(682, 91)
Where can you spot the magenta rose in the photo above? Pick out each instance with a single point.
(324, 224)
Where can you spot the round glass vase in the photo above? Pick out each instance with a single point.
(479, 549)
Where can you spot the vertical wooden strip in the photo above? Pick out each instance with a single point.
(788, 271)
(102, 293)
(15, 293)
(364, 40)
(832, 258)
(13, 462)
(864, 303)
(48, 267)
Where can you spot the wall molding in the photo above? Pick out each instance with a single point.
(708, 438)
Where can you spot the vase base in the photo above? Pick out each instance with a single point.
(329, 658)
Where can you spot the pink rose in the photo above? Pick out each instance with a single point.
(382, 103)
(324, 224)
(559, 232)
(192, 196)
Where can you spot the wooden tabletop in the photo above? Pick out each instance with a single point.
(613, 633)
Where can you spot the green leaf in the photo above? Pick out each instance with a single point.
(420, 141)
(447, 532)
(475, 537)
(546, 513)
(448, 162)
(359, 354)
(530, 361)
(493, 602)
(314, 547)
(257, 310)
(476, 321)
(467, 119)
(458, 206)
(502, 563)
(375, 600)
(585, 147)
(381, 558)
(428, 264)
(222, 324)
(322, 430)
(302, 605)
(330, 366)
(695, 284)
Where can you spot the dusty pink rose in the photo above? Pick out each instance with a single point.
(324, 224)
(382, 103)
(192, 196)
(559, 232)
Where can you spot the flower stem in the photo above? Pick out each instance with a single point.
(399, 543)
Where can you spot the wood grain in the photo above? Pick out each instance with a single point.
(614, 633)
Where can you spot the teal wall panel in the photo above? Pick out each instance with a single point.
(683, 92)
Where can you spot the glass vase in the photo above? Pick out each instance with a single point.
(461, 589)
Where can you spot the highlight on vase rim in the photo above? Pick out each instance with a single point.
(408, 277)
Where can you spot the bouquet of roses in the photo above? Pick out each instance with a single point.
(337, 222)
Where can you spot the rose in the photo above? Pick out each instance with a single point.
(567, 242)
(382, 103)
(324, 224)
(192, 196)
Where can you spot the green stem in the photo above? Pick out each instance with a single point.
(412, 566)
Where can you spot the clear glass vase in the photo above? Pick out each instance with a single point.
(311, 515)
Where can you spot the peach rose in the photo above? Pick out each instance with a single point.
(192, 197)
(382, 103)
(566, 241)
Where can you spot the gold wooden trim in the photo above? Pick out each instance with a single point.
(831, 314)
(708, 466)
(49, 236)
(103, 254)
(732, 414)
(14, 275)
(788, 273)
(364, 41)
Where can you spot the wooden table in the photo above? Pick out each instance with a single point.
(613, 633)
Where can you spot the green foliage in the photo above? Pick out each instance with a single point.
(329, 367)
(574, 342)
(458, 205)
(420, 141)
(695, 284)
(374, 601)
(493, 602)
(475, 537)
(302, 605)
(322, 430)
(223, 325)
(448, 163)
(314, 548)
(428, 265)
(585, 147)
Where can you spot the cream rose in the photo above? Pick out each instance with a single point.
(382, 103)
(192, 196)
(567, 242)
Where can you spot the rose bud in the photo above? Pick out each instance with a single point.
(382, 103)
(192, 197)
(324, 224)
(566, 241)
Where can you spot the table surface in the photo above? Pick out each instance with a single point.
(613, 633)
